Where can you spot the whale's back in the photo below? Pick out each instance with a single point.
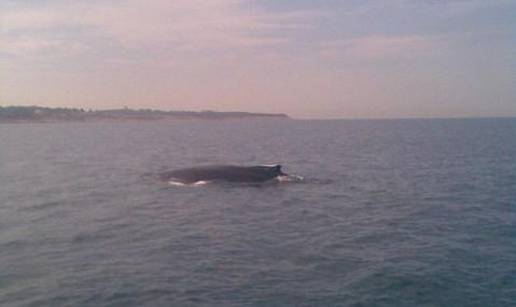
(230, 173)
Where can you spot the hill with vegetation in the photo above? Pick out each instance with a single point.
(14, 114)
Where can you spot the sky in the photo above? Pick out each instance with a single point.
(309, 59)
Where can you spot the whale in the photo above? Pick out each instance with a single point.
(223, 173)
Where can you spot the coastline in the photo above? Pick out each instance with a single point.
(42, 115)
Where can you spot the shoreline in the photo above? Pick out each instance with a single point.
(132, 120)
(36, 114)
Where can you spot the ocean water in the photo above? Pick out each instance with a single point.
(390, 213)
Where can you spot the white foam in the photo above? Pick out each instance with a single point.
(176, 183)
(201, 182)
(289, 178)
(181, 184)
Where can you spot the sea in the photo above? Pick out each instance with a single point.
(409, 212)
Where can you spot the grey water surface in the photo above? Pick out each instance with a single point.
(390, 213)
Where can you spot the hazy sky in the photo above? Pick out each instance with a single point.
(320, 59)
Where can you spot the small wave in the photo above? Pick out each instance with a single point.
(42, 206)
(318, 181)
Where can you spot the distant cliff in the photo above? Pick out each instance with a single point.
(13, 114)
